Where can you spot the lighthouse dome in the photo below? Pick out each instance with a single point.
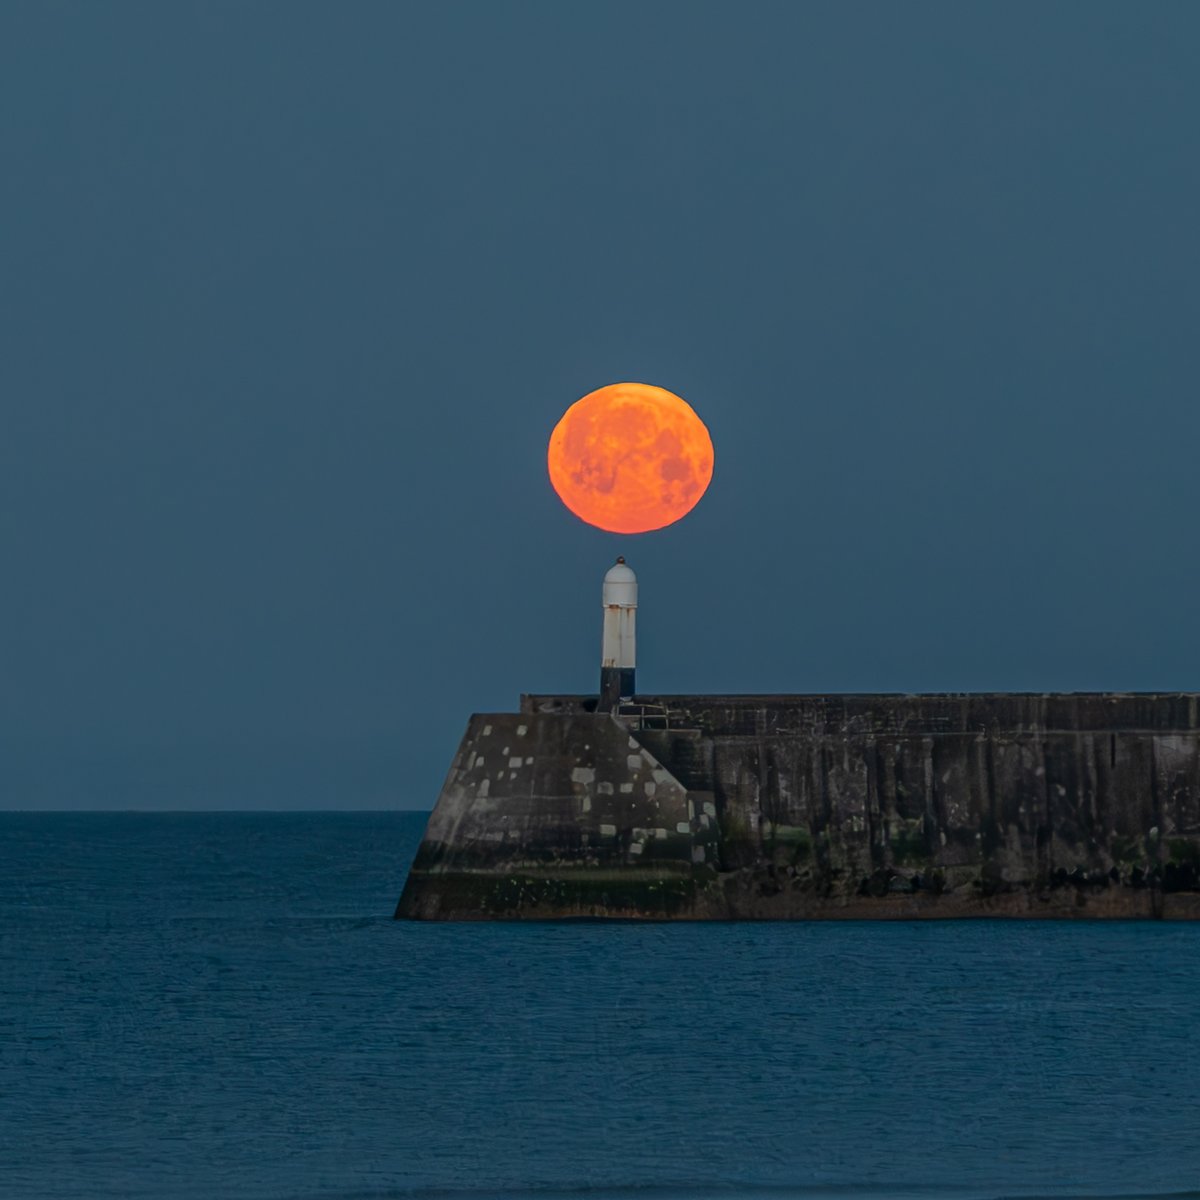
(620, 586)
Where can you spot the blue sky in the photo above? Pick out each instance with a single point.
(293, 295)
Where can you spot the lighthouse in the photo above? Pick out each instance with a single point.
(618, 652)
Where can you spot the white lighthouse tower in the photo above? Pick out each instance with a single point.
(619, 650)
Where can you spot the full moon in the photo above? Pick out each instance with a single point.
(630, 458)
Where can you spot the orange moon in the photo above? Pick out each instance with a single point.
(630, 458)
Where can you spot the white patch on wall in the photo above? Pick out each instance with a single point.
(626, 788)
(608, 831)
(522, 730)
(583, 774)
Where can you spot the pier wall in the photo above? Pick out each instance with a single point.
(565, 815)
(827, 806)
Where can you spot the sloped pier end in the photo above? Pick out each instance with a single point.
(839, 806)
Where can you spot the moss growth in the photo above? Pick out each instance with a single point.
(1184, 850)
(1126, 849)
(790, 844)
(908, 846)
(734, 827)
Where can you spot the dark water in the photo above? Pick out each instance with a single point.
(220, 1006)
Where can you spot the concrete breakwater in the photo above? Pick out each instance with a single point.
(836, 806)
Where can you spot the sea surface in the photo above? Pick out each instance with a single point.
(220, 1006)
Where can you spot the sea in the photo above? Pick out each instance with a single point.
(220, 1005)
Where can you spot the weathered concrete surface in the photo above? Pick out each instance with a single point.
(821, 806)
(559, 816)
